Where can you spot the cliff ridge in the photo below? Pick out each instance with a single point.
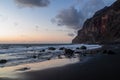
(103, 27)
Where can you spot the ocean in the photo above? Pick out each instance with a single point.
(17, 54)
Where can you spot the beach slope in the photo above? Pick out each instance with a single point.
(99, 68)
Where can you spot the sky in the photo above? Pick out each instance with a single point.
(45, 21)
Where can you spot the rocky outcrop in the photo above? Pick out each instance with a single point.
(103, 27)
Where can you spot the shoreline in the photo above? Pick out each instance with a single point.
(36, 66)
(13, 72)
(98, 67)
(35, 54)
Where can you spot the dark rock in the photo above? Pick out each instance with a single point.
(77, 52)
(62, 48)
(23, 69)
(104, 51)
(84, 54)
(34, 56)
(83, 47)
(103, 27)
(43, 50)
(49, 59)
(3, 61)
(59, 56)
(69, 53)
(77, 48)
(111, 52)
(51, 48)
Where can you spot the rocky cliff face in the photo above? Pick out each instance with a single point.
(103, 27)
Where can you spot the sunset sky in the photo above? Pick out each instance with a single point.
(45, 21)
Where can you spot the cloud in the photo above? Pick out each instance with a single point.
(71, 34)
(74, 18)
(71, 18)
(32, 3)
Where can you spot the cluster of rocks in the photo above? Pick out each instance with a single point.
(69, 53)
(83, 51)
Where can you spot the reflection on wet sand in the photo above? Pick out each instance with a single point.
(13, 71)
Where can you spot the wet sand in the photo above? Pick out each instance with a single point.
(101, 67)
(14, 72)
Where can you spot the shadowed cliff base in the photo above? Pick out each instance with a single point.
(103, 27)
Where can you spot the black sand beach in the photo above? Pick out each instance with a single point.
(92, 70)
(101, 67)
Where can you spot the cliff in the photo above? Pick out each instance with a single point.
(103, 27)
